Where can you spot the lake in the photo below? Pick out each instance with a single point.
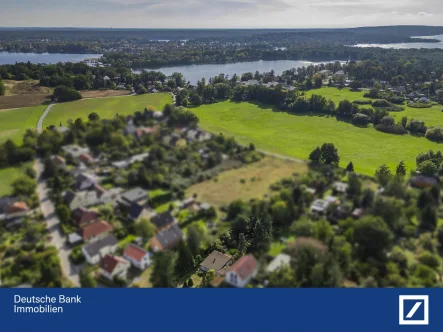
(195, 73)
(8, 58)
(409, 45)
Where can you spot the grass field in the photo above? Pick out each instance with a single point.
(431, 116)
(105, 107)
(257, 179)
(104, 93)
(297, 136)
(7, 176)
(13, 123)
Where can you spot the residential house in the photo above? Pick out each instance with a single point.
(74, 151)
(94, 251)
(82, 216)
(74, 238)
(137, 211)
(163, 220)
(242, 271)
(82, 199)
(423, 181)
(137, 256)
(85, 181)
(114, 266)
(187, 203)
(141, 132)
(16, 210)
(59, 163)
(6, 202)
(130, 128)
(86, 158)
(319, 207)
(121, 87)
(340, 187)
(278, 262)
(339, 73)
(358, 213)
(216, 261)
(158, 115)
(135, 195)
(96, 231)
(166, 239)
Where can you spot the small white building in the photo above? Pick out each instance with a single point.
(278, 262)
(138, 257)
(242, 271)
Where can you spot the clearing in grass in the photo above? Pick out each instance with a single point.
(105, 107)
(23, 94)
(297, 136)
(252, 181)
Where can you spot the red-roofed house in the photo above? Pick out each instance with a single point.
(86, 159)
(138, 257)
(242, 271)
(16, 210)
(140, 132)
(114, 266)
(59, 163)
(96, 231)
(84, 216)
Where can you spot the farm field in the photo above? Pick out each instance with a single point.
(103, 93)
(13, 123)
(297, 136)
(23, 94)
(105, 107)
(257, 178)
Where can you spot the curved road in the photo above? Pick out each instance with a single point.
(43, 116)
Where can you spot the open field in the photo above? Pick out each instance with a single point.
(23, 94)
(337, 95)
(104, 93)
(13, 123)
(297, 136)
(7, 176)
(257, 178)
(431, 116)
(105, 107)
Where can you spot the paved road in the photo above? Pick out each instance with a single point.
(53, 224)
(43, 116)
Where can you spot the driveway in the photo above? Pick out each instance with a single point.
(70, 270)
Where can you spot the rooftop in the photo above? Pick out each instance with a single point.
(216, 261)
(94, 248)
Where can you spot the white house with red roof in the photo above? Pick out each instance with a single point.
(114, 266)
(96, 231)
(137, 256)
(242, 271)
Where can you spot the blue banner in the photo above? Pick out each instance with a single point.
(353, 310)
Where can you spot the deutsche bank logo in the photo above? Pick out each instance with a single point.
(414, 309)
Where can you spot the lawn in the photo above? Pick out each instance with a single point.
(13, 123)
(297, 136)
(337, 95)
(7, 176)
(257, 177)
(431, 116)
(105, 107)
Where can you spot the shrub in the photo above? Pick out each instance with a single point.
(63, 93)
(381, 103)
(361, 119)
(362, 102)
(416, 127)
(435, 134)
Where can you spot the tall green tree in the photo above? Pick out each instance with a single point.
(2, 88)
(401, 169)
(383, 174)
(194, 240)
(163, 272)
(329, 154)
(185, 261)
(145, 229)
(315, 155)
(372, 237)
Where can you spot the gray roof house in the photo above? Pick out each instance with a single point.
(135, 195)
(81, 199)
(85, 181)
(75, 151)
(216, 261)
(166, 239)
(96, 250)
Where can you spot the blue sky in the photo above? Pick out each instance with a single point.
(219, 13)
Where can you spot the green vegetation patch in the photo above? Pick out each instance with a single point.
(105, 107)
(13, 123)
(298, 136)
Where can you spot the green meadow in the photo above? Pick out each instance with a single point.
(296, 136)
(105, 107)
(9, 175)
(14, 122)
(431, 116)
